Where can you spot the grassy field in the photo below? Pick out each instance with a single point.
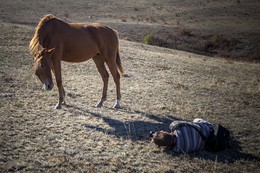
(159, 86)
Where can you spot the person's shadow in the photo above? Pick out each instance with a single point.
(140, 131)
(229, 155)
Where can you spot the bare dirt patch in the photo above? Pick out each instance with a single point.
(160, 85)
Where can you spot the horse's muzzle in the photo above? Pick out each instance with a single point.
(47, 86)
(151, 134)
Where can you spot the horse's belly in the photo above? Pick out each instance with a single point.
(78, 55)
(75, 58)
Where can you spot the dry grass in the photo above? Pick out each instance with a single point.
(160, 85)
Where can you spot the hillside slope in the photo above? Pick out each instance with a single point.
(217, 28)
(159, 86)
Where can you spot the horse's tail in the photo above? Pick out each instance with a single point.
(118, 63)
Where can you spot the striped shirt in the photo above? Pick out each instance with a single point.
(188, 139)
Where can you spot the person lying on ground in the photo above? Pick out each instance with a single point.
(185, 136)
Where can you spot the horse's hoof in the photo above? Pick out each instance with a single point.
(58, 106)
(117, 105)
(99, 104)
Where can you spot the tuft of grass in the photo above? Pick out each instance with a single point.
(186, 32)
(149, 39)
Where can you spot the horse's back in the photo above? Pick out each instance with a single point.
(97, 31)
(101, 33)
(83, 41)
(105, 37)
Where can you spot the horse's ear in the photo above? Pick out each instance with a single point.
(50, 51)
(41, 52)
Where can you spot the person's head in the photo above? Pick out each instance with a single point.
(162, 138)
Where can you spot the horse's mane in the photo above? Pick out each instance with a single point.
(35, 43)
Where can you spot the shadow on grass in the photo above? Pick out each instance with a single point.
(230, 155)
(130, 129)
(133, 130)
(139, 130)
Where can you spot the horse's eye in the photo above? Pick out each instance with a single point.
(42, 65)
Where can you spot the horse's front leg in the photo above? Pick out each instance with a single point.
(61, 96)
(57, 73)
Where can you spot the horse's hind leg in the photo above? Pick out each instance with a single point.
(116, 76)
(99, 61)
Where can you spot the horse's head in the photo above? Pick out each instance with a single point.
(42, 67)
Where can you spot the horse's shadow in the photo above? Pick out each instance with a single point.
(131, 130)
(140, 131)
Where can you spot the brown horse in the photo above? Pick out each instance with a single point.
(55, 40)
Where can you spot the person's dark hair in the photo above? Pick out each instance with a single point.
(162, 138)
